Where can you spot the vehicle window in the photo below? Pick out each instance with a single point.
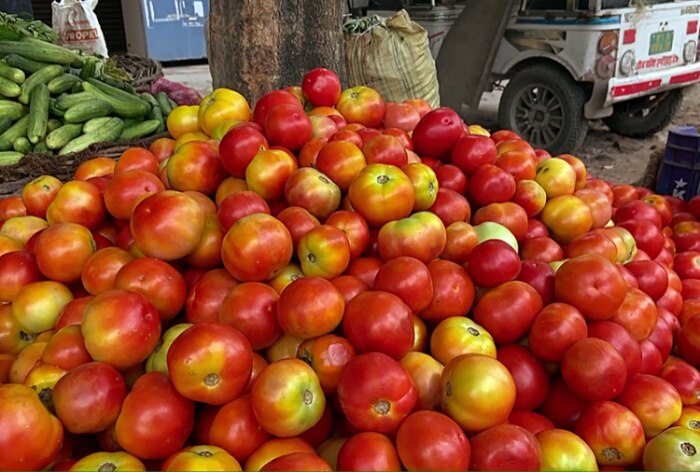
(546, 5)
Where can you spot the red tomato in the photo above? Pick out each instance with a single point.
(505, 447)
(613, 432)
(125, 190)
(39, 193)
(155, 420)
(533, 422)
(368, 451)
(592, 284)
(31, 436)
(428, 440)
(493, 262)
(385, 149)
(594, 369)
(477, 392)
(158, 281)
(471, 151)
(210, 363)
(268, 172)
(310, 307)
(684, 377)
(402, 116)
(491, 184)
(563, 450)
(327, 355)
(301, 461)
(637, 209)
(530, 377)
(651, 276)
(270, 101)
(77, 202)
(324, 251)
(450, 176)
(355, 228)
(540, 276)
(310, 189)
(448, 301)
(274, 448)
(508, 311)
(437, 133)
(235, 429)
(637, 314)
(89, 397)
(288, 126)
(409, 279)
(195, 166)
(377, 321)
(66, 349)
(620, 339)
(62, 250)
(376, 393)
(239, 204)
(17, 269)
(238, 147)
(101, 269)
(654, 401)
(206, 295)
(251, 308)
(542, 249)
(648, 236)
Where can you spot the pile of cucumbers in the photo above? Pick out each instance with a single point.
(51, 102)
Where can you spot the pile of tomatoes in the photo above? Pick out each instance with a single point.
(330, 282)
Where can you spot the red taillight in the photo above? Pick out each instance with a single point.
(692, 27)
(629, 36)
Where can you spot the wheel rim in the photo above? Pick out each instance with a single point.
(538, 115)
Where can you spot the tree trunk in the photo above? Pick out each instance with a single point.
(259, 45)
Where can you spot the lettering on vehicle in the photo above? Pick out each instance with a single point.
(653, 62)
(79, 35)
(690, 10)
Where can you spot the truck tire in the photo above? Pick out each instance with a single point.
(644, 116)
(544, 105)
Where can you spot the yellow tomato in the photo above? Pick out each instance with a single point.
(183, 119)
(191, 136)
(476, 129)
(114, 461)
(201, 458)
(222, 105)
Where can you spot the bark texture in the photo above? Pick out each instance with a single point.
(259, 45)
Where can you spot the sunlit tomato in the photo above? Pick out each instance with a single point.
(102, 267)
(431, 440)
(684, 377)
(274, 448)
(116, 461)
(20, 232)
(120, 328)
(381, 193)
(323, 251)
(673, 449)
(155, 420)
(290, 408)
(566, 217)
(505, 447)
(88, 398)
(221, 105)
(31, 436)
(167, 225)
(11, 206)
(508, 311)
(66, 349)
(256, 247)
(136, 158)
(592, 284)
(210, 363)
(594, 369)
(378, 321)
(477, 392)
(361, 104)
(563, 450)
(368, 451)
(401, 115)
(458, 335)
(613, 432)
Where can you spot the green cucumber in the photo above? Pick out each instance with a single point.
(38, 113)
(58, 138)
(84, 111)
(143, 129)
(108, 132)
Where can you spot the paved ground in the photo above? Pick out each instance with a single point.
(606, 154)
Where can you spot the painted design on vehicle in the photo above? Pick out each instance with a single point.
(551, 41)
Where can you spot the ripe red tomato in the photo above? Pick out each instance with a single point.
(235, 206)
(592, 284)
(376, 393)
(446, 300)
(235, 429)
(530, 420)
(327, 355)
(274, 448)
(251, 308)
(270, 101)
(66, 349)
(89, 397)
(684, 377)
(381, 193)
(310, 307)
(505, 447)
(31, 436)
(637, 314)
(490, 184)
(620, 339)
(437, 133)
(530, 377)
(355, 228)
(210, 363)
(206, 295)
(385, 149)
(594, 369)
(79, 202)
(17, 269)
(409, 279)
(654, 401)
(155, 420)
(310, 189)
(508, 311)
(288, 126)
(238, 147)
(377, 321)
(428, 440)
(62, 250)
(324, 251)
(613, 432)
(363, 105)
(651, 276)
(102, 267)
(493, 262)
(301, 461)
(368, 451)
(402, 116)
(321, 87)
(541, 276)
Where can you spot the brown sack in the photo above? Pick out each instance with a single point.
(394, 58)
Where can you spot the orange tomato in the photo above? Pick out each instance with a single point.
(183, 119)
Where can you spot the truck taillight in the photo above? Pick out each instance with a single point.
(629, 36)
(608, 43)
(692, 27)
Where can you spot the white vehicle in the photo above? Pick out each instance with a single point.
(564, 62)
